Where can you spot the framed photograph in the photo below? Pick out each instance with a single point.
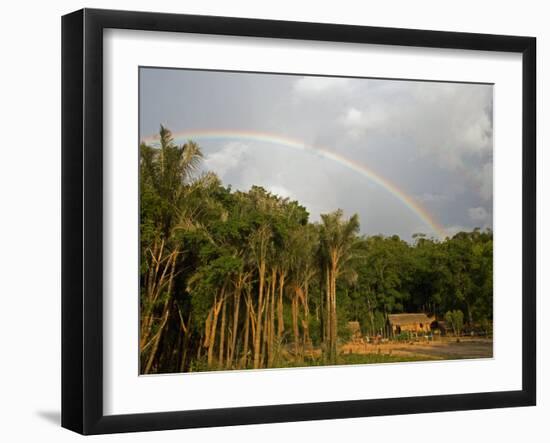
(268, 221)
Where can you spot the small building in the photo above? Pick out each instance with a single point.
(415, 323)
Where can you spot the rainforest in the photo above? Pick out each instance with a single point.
(233, 279)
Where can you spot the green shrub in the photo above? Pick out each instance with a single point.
(455, 319)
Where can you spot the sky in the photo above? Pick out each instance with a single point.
(407, 156)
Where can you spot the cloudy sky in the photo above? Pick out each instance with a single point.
(407, 156)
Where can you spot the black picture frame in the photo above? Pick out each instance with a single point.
(82, 219)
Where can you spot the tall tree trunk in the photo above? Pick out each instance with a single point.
(236, 305)
(210, 338)
(295, 329)
(333, 319)
(185, 329)
(208, 326)
(222, 335)
(156, 281)
(280, 313)
(247, 322)
(327, 310)
(213, 327)
(229, 344)
(266, 334)
(257, 339)
(152, 355)
(271, 339)
(199, 348)
(165, 313)
(306, 312)
(244, 359)
(186, 343)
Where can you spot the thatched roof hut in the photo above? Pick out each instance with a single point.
(416, 322)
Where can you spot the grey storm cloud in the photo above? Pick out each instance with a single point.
(432, 140)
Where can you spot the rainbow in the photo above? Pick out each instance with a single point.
(362, 169)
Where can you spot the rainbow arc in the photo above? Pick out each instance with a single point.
(410, 202)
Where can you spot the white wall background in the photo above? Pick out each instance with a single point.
(30, 218)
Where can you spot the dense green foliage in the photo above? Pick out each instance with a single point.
(455, 319)
(233, 279)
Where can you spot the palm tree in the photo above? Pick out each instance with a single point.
(260, 242)
(301, 249)
(166, 175)
(337, 240)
